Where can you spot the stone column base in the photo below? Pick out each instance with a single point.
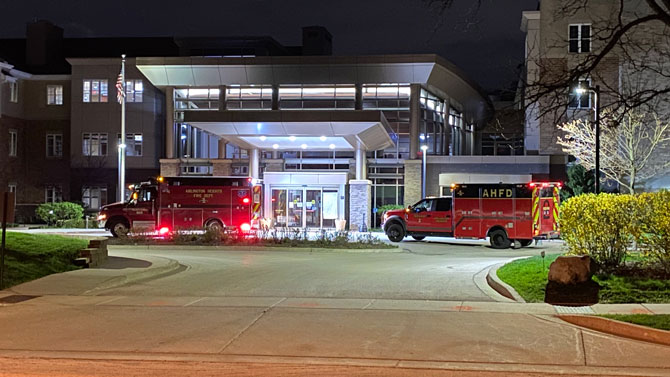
(360, 204)
(221, 168)
(169, 167)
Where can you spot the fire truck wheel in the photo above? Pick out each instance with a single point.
(118, 228)
(395, 232)
(499, 239)
(214, 225)
(418, 238)
(525, 243)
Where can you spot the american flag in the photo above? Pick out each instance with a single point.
(120, 93)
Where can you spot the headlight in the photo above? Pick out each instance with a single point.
(102, 216)
(384, 217)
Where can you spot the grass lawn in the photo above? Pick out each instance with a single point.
(659, 321)
(528, 278)
(32, 256)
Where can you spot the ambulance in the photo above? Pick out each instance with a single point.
(167, 204)
(508, 214)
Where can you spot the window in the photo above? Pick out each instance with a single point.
(54, 145)
(196, 99)
(95, 91)
(580, 38)
(12, 188)
(386, 96)
(13, 91)
(317, 97)
(133, 144)
(94, 197)
(94, 144)
(54, 94)
(249, 97)
(134, 89)
(443, 204)
(580, 100)
(53, 194)
(13, 142)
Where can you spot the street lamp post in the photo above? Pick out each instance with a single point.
(424, 149)
(596, 91)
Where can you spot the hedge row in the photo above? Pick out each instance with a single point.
(605, 226)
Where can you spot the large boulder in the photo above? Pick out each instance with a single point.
(571, 270)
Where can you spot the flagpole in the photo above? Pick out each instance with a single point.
(122, 144)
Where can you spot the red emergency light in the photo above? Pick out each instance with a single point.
(163, 231)
(246, 200)
(245, 227)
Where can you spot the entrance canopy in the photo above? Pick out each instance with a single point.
(294, 130)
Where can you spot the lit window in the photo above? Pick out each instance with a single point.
(54, 94)
(133, 144)
(94, 197)
(580, 38)
(54, 145)
(94, 144)
(386, 96)
(580, 100)
(13, 91)
(53, 194)
(196, 99)
(249, 97)
(95, 91)
(134, 90)
(13, 142)
(317, 97)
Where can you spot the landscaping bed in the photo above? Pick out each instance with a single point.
(281, 238)
(32, 256)
(633, 282)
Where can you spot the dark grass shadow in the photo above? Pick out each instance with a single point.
(120, 263)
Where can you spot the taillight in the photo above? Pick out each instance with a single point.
(245, 227)
(163, 231)
(246, 200)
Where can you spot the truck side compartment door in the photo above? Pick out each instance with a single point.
(442, 217)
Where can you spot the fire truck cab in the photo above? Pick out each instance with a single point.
(505, 213)
(167, 204)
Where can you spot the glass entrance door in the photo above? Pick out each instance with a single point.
(295, 208)
(313, 208)
(305, 207)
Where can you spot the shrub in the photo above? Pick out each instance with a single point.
(654, 237)
(601, 226)
(58, 213)
(388, 207)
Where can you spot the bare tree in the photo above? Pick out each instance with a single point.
(628, 150)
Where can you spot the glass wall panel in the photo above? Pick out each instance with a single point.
(249, 97)
(195, 99)
(317, 97)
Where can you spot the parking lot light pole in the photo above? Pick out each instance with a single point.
(424, 149)
(596, 90)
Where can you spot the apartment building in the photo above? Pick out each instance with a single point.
(560, 36)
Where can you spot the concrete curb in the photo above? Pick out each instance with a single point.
(500, 286)
(145, 274)
(253, 248)
(481, 280)
(618, 328)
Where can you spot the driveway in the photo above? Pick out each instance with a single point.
(436, 269)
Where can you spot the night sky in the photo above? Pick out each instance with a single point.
(485, 43)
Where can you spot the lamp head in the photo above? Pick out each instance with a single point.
(424, 148)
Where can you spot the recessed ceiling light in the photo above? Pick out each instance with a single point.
(263, 138)
(258, 126)
(292, 138)
(322, 138)
(331, 146)
(275, 146)
(303, 146)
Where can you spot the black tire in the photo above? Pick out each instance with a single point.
(214, 226)
(395, 232)
(499, 240)
(418, 238)
(119, 228)
(524, 243)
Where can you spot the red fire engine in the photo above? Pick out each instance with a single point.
(166, 204)
(506, 213)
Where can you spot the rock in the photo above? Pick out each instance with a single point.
(571, 270)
